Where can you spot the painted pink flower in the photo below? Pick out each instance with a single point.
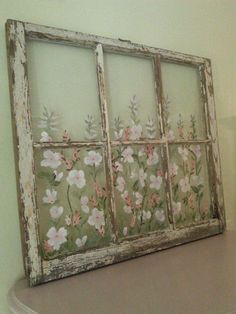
(93, 159)
(56, 237)
(133, 221)
(76, 177)
(51, 159)
(76, 218)
(97, 219)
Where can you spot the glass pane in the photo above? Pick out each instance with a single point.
(63, 92)
(184, 111)
(131, 97)
(139, 189)
(190, 184)
(71, 197)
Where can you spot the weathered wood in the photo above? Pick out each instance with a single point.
(106, 136)
(21, 115)
(166, 159)
(70, 265)
(68, 145)
(217, 176)
(138, 142)
(61, 36)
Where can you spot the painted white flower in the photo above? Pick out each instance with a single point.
(160, 215)
(196, 180)
(135, 132)
(120, 184)
(141, 152)
(124, 195)
(142, 177)
(139, 198)
(183, 152)
(118, 135)
(96, 219)
(56, 238)
(184, 184)
(125, 231)
(133, 175)
(173, 169)
(127, 209)
(51, 197)
(52, 160)
(127, 155)
(145, 214)
(152, 159)
(176, 208)
(56, 212)
(118, 166)
(81, 242)
(84, 204)
(68, 220)
(57, 176)
(156, 182)
(170, 135)
(76, 177)
(196, 149)
(93, 159)
(45, 137)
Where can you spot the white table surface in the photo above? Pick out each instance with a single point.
(196, 278)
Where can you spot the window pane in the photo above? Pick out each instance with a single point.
(139, 189)
(131, 97)
(184, 111)
(72, 200)
(63, 92)
(190, 184)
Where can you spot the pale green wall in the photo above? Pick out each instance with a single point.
(201, 27)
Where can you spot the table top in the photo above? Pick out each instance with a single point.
(199, 277)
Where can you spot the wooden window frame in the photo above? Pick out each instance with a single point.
(39, 270)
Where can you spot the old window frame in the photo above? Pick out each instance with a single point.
(38, 270)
